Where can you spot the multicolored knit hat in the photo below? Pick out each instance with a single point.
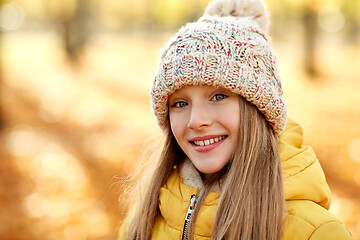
(228, 48)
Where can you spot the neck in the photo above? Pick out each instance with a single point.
(207, 176)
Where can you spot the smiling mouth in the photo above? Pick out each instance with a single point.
(208, 141)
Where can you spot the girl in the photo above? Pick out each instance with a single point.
(228, 169)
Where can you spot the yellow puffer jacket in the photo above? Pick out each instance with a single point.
(306, 191)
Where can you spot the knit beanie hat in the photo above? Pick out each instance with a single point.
(228, 48)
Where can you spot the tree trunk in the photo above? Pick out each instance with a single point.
(1, 76)
(354, 30)
(310, 24)
(76, 31)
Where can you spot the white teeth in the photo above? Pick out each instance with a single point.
(209, 141)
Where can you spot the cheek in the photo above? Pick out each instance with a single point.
(231, 119)
(175, 125)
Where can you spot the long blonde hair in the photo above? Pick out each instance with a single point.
(252, 202)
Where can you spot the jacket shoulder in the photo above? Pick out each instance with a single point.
(308, 220)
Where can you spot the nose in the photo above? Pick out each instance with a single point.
(200, 117)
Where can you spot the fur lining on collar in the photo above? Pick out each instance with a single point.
(191, 176)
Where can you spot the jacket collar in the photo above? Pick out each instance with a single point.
(192, 178)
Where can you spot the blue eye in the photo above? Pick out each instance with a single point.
(219, 97)
(180, 104)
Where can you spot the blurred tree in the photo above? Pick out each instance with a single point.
(311, 29)
(76, 30)
(146, 12)
(159, 14)
(1, 111)
(75, 20)
(351, 9)
(305, 12)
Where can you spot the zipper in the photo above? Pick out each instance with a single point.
(185, 235)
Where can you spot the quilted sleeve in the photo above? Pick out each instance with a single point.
(331, 231)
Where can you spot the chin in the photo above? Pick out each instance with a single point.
(207, 170)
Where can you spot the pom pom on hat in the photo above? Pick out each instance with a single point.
(254, 9)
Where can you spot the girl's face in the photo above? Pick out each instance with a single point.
(205, 121)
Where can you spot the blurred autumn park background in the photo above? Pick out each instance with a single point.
(75, 106)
